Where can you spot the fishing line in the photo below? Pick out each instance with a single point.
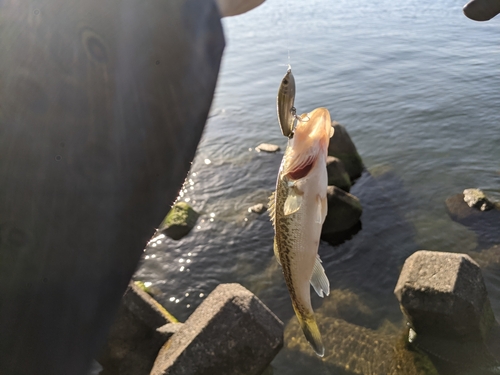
(288, 30)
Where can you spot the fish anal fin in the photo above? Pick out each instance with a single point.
(319, 281)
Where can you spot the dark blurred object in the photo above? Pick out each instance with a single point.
(230, 8)
(102, 105)
(482, 10)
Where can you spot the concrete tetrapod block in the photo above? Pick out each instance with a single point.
(140, 329)
(231, 332)
(341, 146)
(444, 295)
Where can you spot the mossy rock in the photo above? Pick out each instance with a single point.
(351, 349)
(477, 199)
(179, 221)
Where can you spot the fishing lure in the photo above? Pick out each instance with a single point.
(285, 101)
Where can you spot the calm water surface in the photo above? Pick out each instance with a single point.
(417, 86)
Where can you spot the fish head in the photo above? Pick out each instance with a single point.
(310, 141)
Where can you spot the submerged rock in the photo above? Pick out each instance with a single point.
(352, 349)
(485, 224)
(267, 147)
(488, 257)
(231, 332)
(337, 175)
(259, 208)
(344, 211)
(179, 221)
(342, 147)
(477, 199)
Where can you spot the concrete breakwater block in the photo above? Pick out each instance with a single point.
(140, 329)
(341, 146)
(444, 295)
(337, 176)
(344, 211)
(231, 332)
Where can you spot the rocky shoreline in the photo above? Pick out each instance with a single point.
(450, 326)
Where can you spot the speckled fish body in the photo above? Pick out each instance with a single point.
(298, 209)
(284, 103)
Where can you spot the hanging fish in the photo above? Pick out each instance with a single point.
(285, 100)
(298, 209)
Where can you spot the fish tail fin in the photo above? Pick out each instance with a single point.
(312, 334)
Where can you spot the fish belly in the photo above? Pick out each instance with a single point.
(303, 231)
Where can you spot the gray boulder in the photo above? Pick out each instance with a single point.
(342, 147)
(140, 329)
(344, 211)
(231, 332)
(444, 295)
(337, 175)
(179, 221)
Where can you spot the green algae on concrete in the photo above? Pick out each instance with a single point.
(179, 221)
(351, 348)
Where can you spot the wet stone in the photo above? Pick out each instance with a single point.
(231, 332)
(179, 221)
(258, 208)
(485, 224)
(444, 295)
(477, 199)
(267, 147)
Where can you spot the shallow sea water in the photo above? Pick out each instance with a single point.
(416, 84)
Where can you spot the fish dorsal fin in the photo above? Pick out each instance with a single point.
(292, 202)
(272, 207)
(319, 281)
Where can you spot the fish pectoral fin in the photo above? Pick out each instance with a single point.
(272, 208)
(322, 209)
(319, 281)
(292, 203)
